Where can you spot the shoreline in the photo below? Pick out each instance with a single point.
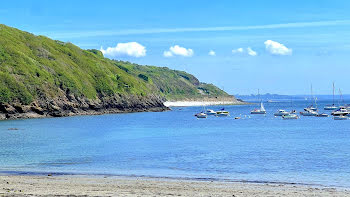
(201, 103)
(103, 185)
(174, 178)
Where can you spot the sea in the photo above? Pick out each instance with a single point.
(175, 144)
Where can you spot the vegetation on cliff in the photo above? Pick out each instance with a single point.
(36, 67)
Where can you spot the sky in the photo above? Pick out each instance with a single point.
(276, 46)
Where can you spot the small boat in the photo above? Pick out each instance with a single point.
(330, 107)
(293, 111)
(342, 111)
(290, 116)
(222, 113)
(333, 106)
(236, 118)
(340, 117)
(259, 111)
(281, 112)
(322, 115)
(308, 112)
(210, 112)
(201, 115)
(311, 107)
(262, 108)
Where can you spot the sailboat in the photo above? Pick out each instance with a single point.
(311, 110)
(333, 106)
(262, 108)
(342, 110)
(201, 114)
(311, 107)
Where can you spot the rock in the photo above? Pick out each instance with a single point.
(7, 109)
(37, 110)
(70, 105)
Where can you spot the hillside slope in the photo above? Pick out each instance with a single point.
(42, 77)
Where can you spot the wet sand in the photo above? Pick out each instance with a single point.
(79, 185)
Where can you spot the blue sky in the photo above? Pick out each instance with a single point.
(309, 40)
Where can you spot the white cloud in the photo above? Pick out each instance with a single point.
(277, 48)
(251, 52)
(132, 49)
(239, 50)
(167, 54)
(177, 50)
(212, 53)
(248, 51)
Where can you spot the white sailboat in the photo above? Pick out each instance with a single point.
(311, 107)
(262, 108)
(333, 106)
(201, 114)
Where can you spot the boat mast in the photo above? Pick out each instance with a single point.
(312, 97)
(341, 97)
(333, 93)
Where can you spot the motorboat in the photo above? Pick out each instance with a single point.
(311, 107)
(290, 116)
(308, 112)
(331, 107)
(201, 115)
(322, 115)
(342, 111)
(281, 112)
(340, 118)
(222, 113)
(210, 112)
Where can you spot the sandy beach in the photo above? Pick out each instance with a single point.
(78, 185)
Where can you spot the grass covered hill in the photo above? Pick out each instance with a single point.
(45, 73)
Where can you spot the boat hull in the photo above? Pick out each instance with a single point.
(290, 116)
(258, 112)
(330, 108)
(340, 118)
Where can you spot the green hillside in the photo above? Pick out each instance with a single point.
(33, 67)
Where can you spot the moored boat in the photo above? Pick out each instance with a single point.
(259, 111)
(201, 115)
(340, 117)
(322, 115)
(342, 111)
(222, 113)
(210, 112)
(333, 106)
(308, 112)
(281, 112)
(290, 116)
(262, 108)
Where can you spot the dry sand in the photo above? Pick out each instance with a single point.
(16, 185)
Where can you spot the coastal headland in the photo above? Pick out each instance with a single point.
(41, 77)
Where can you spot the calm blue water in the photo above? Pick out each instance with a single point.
(175, 144)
